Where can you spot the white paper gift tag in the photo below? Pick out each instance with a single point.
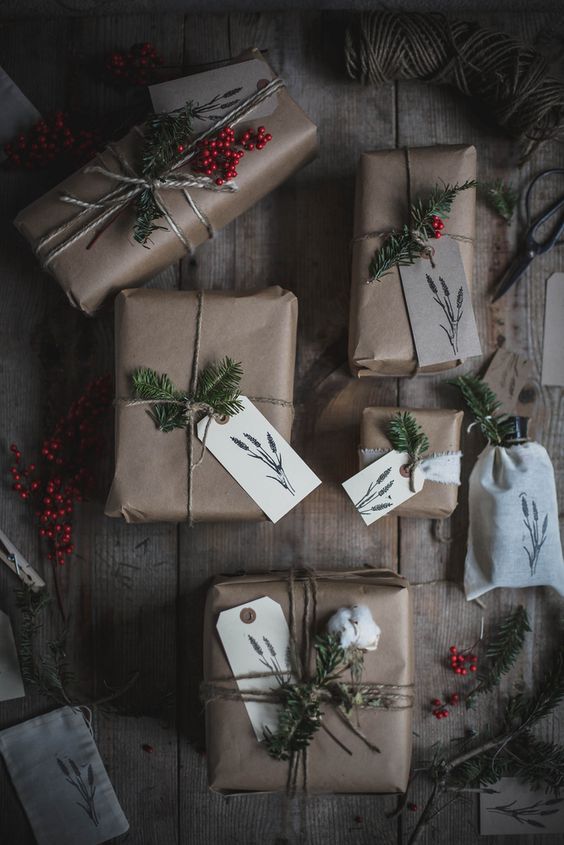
(439, 305)
(256, 639)
(379, 488)
(11, 684)
(18, 114)
(510, 807)
(553, 346)
(218, 90)
(260, 460)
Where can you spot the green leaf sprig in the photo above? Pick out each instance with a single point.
(484, 407)
(502, 652)
(218, 387)
(402, 248)
(501, 198)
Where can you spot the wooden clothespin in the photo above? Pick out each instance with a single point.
(18, 564)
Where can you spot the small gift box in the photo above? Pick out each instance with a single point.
(440, 466)
(82, 230)
(389, 184)
(253, 623)
(177, 333)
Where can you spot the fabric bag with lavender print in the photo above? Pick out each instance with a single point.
(61, 781)
(514, 539)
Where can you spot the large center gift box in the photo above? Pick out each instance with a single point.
(387, 183)
(157, 329)
(238, 762)
(89, 271)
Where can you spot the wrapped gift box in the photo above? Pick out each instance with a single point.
(442, 427)
(157, 329)
(388, 182)
(230, 736)
(89, 272)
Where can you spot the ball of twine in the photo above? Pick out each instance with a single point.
(509, 78)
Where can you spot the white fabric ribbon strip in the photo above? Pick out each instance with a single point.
(442, 467)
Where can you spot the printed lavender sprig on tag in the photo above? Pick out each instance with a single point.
(365, 505)
(523, 814)
(453, 319)
(271, 663)
(220, 101)
(273, 460)
(538, 536)
(85, 788)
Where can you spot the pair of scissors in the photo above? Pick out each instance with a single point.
(18, 564)
(532, 246)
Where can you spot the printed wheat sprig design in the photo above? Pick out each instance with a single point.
(202, 112)
(85, 788)
(271, 663)
(546, 807)
(445, 302)
(365, 504)
(538, 536)
(273, 460)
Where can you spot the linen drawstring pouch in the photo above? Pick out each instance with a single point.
(514, 539)
(61, 781)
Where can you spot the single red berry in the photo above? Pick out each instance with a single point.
(412, 807)
(436, 702)
(147, 748)
(464, 671)
(453, 649)
(473, 668)
(438, 234)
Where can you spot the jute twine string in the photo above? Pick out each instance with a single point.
(131, 184)
(193, 410)
(380, 696)
(510, 78)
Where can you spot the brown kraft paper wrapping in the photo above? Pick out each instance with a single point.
(116, 261)
(156, 329)
(380, 339)
(442, 427)
(238, 763)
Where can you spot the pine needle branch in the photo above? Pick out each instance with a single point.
(501, 197)
(406, 435)
(526, 710)
(484, 407)
(502, 652)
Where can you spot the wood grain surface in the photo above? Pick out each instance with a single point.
(135, 593)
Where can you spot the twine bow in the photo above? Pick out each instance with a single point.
(131, 184)
(311, 690)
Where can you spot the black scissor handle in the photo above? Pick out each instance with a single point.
(533, 245)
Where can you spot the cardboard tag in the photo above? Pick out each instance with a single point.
(507, 374)
(553, 345)
(216, 92)
(11, 684)
(18, 114)
(256, 639)
(379, 488)
(260, 460)
(510, 807)
(439, 305)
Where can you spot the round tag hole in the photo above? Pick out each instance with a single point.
(248, 615)
(223, 420)
(405, 472)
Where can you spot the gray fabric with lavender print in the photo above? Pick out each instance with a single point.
(514, 539)
(61, 781)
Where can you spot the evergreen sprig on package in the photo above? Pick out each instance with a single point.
(404, 247)
(501, 198)
(406, 435)
(484, 406)
(502, 652)
(218, 388)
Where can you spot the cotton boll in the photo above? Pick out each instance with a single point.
(355, 627)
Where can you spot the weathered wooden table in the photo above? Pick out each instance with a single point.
(135, 593)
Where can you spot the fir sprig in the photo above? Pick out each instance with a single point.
(502, 652)
(403, 247)
(218, 387)
(501, 197)
(484, 406)
(406, 435)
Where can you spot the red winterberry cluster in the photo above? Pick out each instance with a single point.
(50, 139)
(65, 476)
(221, 154)
(136, 66)
(437, 225)
(458, 661)
(439, 710)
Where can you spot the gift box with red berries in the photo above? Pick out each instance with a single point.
(168, 186)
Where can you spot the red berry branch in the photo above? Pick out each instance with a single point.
(52, 138)
(221, 153)
(65, 475)
(460, 662)
(137, 66)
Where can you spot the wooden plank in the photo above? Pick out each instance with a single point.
(297, 237)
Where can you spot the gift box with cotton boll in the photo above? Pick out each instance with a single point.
(441, 462)
(369, 610)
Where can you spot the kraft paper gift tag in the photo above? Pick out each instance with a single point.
(553, 346)
(61, 781)
(507, 374)
(11, 684)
